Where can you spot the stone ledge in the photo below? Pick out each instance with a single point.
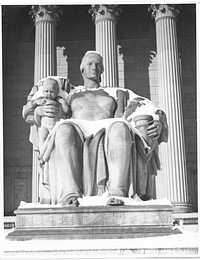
(91, 233)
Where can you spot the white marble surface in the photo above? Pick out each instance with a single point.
(182, 244)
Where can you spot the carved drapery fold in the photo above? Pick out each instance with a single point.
(169, 78)
(105, 17)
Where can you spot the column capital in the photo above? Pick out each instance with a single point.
(110, 12)
(49, 13)
(160, 11)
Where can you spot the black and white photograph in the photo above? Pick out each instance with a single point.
(99, 154)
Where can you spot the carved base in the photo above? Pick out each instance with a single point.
(92, 222)
(182, 208)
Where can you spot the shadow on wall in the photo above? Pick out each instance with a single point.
(69, 57)
(139, 68)
(136, 36)
(75, 35)
(137, 71)
(186, 31)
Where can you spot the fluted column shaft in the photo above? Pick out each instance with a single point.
(44, 50)
(45, 18)
(105, 17)
(169, 77)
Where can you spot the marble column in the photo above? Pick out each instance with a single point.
(105, 17)
(45, 18)
(169, 80)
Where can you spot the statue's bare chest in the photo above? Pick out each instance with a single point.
(89, 98)
(95, 103)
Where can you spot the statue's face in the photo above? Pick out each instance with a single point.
(93, 67)
(50, 89)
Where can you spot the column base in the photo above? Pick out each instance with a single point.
(181, 207)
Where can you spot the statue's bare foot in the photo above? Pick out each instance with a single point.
(70, 201)
(115, 202)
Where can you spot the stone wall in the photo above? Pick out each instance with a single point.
(17, 81)
(137, 71)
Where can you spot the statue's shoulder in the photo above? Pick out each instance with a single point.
(114, 92)
(72, 91)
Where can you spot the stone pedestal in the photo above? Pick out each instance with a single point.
(93, 222)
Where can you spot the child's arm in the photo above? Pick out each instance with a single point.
(64, 105)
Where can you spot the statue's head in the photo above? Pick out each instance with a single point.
(92, 56)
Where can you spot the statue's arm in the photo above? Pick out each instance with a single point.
(158, 128)
(28, 111)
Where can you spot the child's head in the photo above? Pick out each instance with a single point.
(50, 88)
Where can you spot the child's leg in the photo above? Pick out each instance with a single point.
(43, 133)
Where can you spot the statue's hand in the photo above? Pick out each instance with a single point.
(49, 111)
(154, 129)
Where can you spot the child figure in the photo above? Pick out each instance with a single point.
(50, 98)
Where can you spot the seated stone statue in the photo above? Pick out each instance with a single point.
(49, 97)
(99, 150)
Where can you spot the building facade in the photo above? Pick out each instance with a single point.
(150, 49)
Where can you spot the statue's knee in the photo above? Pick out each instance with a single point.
(119, 130)
(66, 133)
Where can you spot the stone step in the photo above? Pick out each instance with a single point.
(187, 221)
(9, 222)
(179, 245)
